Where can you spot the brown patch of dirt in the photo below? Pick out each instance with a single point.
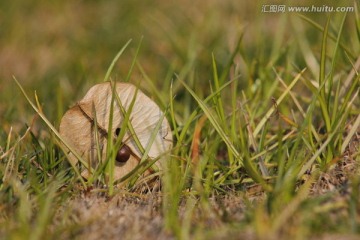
(121, 217)
(94, 216)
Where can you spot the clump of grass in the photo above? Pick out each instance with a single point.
(286, 166)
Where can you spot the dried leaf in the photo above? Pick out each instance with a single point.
(78, 126)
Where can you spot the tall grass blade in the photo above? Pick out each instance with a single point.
(322, 97)
(133, 61)
(213, 121)
(217, 98)
(107, 76)
(332, 37)
(110, 155)
(357, 19)
(354, 130)
(332, 71)
(278, 101)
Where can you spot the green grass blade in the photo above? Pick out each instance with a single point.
(193, 115)
(217, 98)
(214, 121)
(227, 68)
(322, 97)
(319, 27)
(45, 211)
(107, 76)
(172, 111)
(110, 155)
(127, 113)
(354, 85)
(333, 63)
(354, 129)
(133, 61)
(98, 148)
(152, 138)
(357, 19)
(278, 101)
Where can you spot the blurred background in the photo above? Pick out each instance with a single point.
(60, 48)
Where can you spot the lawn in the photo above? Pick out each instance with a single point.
(262, 99)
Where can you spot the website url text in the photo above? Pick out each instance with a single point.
(309, 9)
